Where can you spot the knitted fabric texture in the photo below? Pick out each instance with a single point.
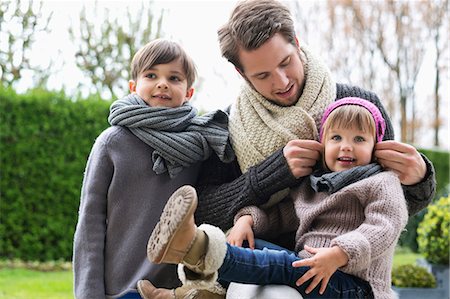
(331, 182)
(180, 137)
(364, 219)
(380, 124)
(259, 127)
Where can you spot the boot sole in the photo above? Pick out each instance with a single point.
(181, 203)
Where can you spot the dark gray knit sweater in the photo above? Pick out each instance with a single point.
(223, 189)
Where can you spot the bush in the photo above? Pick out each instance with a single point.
(45, 139)
(412, 276)
(433, 232)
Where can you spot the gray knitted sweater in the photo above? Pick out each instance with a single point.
(121, 202)
(365, 219)
(223, 190)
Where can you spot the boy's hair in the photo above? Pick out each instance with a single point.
(161, 51)
(350, 116)
(251, 24)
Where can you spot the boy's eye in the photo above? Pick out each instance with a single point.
(336, 137)
(151, 75)
(175, 78)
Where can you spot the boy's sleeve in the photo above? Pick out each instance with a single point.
(89, 239)
(418, 196)
(223, 190)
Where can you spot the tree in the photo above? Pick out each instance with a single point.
(107, 43)
(20, 22)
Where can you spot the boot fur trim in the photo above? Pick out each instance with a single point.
(215, 255)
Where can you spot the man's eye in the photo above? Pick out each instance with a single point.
(286, 62)
(261, 76)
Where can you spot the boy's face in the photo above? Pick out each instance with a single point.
(163, 85)
(275, 70)
(347, 147)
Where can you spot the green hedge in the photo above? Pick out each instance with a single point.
(441, 161)
(45, 139)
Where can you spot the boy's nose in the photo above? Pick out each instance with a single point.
(162, 84)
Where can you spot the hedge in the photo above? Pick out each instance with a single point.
(45, 139)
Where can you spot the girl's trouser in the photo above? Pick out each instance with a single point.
(268, 266)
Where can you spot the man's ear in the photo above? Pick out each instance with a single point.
(297, 42)
(132, 86)
(189, 94)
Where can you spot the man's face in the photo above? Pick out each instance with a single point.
(275, 70)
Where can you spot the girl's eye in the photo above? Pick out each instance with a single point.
(336, 137)
(359, 139)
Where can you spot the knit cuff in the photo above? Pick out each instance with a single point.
(271, 176)
(357, 248)
(421, 194)
(260, 219)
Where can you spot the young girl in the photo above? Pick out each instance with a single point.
(155, 144)
(352, 208)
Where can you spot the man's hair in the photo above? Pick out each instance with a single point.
(161, 51)
(251, 24)
(350, 116)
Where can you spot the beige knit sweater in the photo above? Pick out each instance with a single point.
(365, 219)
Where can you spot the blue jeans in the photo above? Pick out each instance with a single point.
(131, 295)
(268, 266)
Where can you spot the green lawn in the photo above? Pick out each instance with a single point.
(25, 284)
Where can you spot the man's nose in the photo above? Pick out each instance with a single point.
(280, 79)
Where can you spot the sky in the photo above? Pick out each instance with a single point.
(194, 25)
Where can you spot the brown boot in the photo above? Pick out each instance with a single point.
(148, 291)
(175, 232)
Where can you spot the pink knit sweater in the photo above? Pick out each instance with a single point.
(365, 219)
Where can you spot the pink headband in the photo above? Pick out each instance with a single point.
(380, 125)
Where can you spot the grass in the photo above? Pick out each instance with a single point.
(20, 283)
(24, 284)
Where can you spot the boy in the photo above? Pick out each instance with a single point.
(155, 145)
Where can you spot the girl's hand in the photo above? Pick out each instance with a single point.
(242, 230)
(322, 266)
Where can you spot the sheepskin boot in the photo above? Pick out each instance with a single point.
(176, 239)
(148, 291)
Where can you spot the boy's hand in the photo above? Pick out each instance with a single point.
(322, 265)
(403, 159)
(242, 230)
(302, 155)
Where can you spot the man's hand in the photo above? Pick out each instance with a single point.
(242, 230)
(322, 265)
(403, 159)
(302, 155)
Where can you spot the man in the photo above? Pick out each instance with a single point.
(273, 123)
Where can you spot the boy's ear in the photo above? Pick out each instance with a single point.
(132, 86)
(189, 94)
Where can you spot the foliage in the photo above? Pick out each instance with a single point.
(412, 276)
(441, 161)
(106, 47)
(45, 140)
(433, 232)
(20, 24)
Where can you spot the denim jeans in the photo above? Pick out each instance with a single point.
(131, 295)
(269, 266)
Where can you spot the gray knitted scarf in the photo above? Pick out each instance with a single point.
(331, 182)
(178, 136)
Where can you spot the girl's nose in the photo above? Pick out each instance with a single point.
(346, 146)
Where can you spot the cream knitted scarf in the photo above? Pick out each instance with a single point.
(259, 127)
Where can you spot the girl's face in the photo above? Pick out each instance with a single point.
(163, 85)
(347, 147)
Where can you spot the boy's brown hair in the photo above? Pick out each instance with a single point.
(251, 24)
(161, 51)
